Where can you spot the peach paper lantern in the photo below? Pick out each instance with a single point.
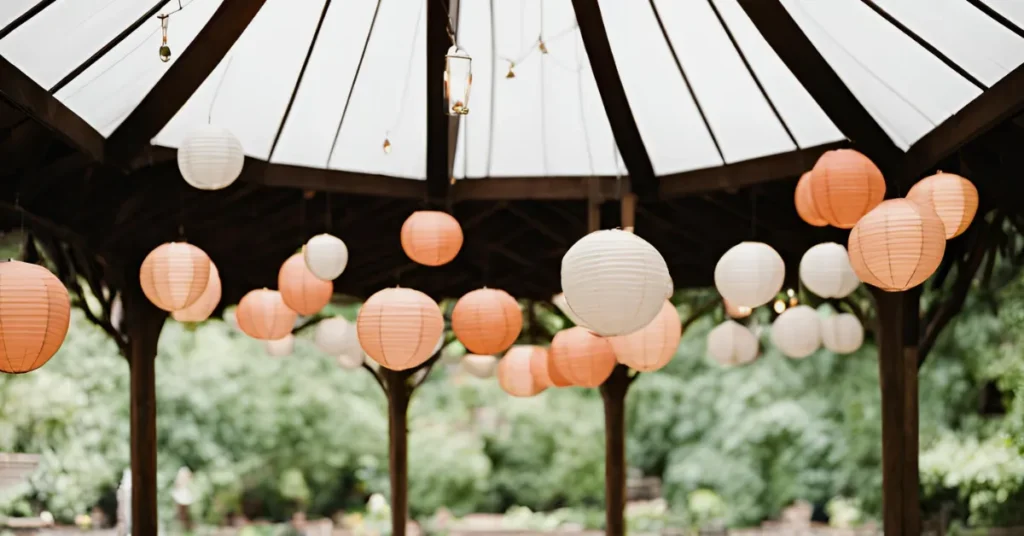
(653, 346)
(514, 372)
(736, 311)
(845, 185)
(262, 315)
(35, 311)
(898, 245)
(487, 321)
(302, 291)
(557, 378)
(953, 197)
(174, 275)
(805, 202)
(431, 237)
(539, 366)
(399, 327)
(207, 302)
(582, 357)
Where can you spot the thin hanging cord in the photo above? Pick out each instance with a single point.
(408, 75)
(352, 87)
(216, 92)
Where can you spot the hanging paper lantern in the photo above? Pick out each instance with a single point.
(326, 256)
(797, 332)
(750, 274)
(559, 301)
(842, 333)
(207, 302)
(845, 186)
(487, 321)
(582, 357)
(302, 291)
(514, 374)
(174, 275)
(557, 378)
(210, 158)
(539, 366)
(281, 347)
(431, 238)
(805, 202)
(825, 270)
(35, 312)
(481, 366)
(351, 361)
(734, 311)
(399, 327)
(731, 343)
(262, 314)
(654, 345)
(614, 281)
(337, 336)
(954, 199)
(898, 245)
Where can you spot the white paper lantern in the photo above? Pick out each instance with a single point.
(326, 256)
(615, 282)
(825, 270)
(563, 305)
(281, 347)
(481, 366)
(336, 336)
(351, 361)
(210, 158)
(750, 274)
(842, 333)
(731, 344)
(797, 332)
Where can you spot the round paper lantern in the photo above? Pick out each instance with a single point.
(302, 291)
(281, 347)
(614, 281)
(898, 245)
(481, 366)
(262, 314)
(431, 238)
(557, 378)
(351, 361)
(845, 186)
(731, 343)
(399, 327)
(559, 301)
(35, 312)
(797, 332)
(750, 274)
(581, 357)
(842, 333)
(210, 158)
(734, 311)
(825, 270)
(174, 275)
(207, 302)
(539, 366)
(514, 373)
(326, 256)
(805, 202)
(336, 336)
(954, 199)
(487, 321)
(653, 346)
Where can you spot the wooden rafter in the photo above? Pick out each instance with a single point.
(437, 117)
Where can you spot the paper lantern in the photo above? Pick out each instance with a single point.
(654, 345)
(262, 314)
(336, 336)
(514, 375)
(805, 202)
(736, 311)
(399, 327)
(560, 302)
(174, 275)
(326, 256)
(898, 245)
(207, 302)
(557, 378)
(825, 270)
(750, 274)
(302, 291)
(954, 199)
(351, 361)
(210, 158)
(582, 357)
(481, 366)
(842, 333)
(731, 343)
(35, 312)
(614, 281)
(487, 321)
(282, 347)
(845, 186)
(797, 332)
(431, 238)
(539, 367)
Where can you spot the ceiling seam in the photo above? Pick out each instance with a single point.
(998, 17)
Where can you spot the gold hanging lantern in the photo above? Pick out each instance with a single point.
(165, 51)
(458, 77)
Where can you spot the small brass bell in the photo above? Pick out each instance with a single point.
(387, 146)
(511, 71)
(543, 47)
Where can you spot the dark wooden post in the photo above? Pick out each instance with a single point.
(613, 394)
(398, 392)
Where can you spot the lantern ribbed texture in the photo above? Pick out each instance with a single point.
(174, 275)
(825, 270)
(539, 367)
(581, 357)
(736, 311)
(653, 346)
(336, 336)
(842, 333)
(281, 347)
(804, 201)
(35, 312)
(731, 343)
(514, 375)
(614, 281)
(487, 321)
(431, 238)
(557, 378)
(559, 301)
(898, 245)
(399, 328)
(326, 256)
(797, 332)
(480, 366)
(207, 302)
(262, 314)
(750, 274)
(351, 361)
(845, 186)
(210, 158)
(954, 199)
(302, 291)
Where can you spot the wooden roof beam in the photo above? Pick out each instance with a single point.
(437, 115)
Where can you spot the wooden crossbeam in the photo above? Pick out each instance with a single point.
(437, 116)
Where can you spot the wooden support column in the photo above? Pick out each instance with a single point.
(398, 392)
(613, 395)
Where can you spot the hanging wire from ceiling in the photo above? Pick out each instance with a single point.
(400, 112)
